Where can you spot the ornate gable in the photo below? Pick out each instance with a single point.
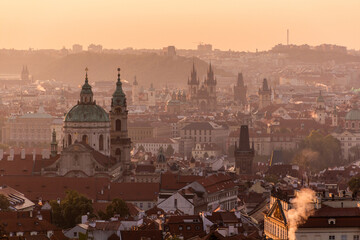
(277, 212)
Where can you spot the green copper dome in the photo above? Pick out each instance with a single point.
(87, 113)
(353, 115)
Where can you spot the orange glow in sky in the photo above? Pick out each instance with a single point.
(227, 24)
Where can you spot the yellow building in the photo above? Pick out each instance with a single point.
(28, 130)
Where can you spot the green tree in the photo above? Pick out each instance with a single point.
(4, 203)
(354, 184)
(118, 207)
(306, 158)
(68, 213)
(169, 151)
(271, 178)
(355, 152)
(327, 147)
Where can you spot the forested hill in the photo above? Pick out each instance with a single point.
(148, 67)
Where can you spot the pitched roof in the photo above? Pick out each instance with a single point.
(135, 191)
(344, 217)
(217, 182)
(174, 182)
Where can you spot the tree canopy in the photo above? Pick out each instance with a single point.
(169, 151)
(4, 203)
(116, 207)
(68, 213)
(318, 151)
(354, 184)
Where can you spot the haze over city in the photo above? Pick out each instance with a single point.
(179, 120)
(238, 25)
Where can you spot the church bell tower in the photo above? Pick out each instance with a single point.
(120, 143)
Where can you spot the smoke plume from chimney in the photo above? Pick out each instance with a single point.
(303, 208)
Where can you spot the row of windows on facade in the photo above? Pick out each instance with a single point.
(141, 205)
(228, 205)
(350, 144)
(352, 125)
(349, 138)
(195, 132)
(15, 136)
(275, 230)
(343, 237)
(200, 139)
(85, 139)
(222, 195)
(32, 129)
(188, 227)
(132, 131)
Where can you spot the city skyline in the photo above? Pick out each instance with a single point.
(236, 25)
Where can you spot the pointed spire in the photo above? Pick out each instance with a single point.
(210, 80)
(240, 80)
(119, 98)
(118, 74)
(86, 93)
(53, 136)
(53, 144)
(244, 139)
(86, 75)
(265, 86)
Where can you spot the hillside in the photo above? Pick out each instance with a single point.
(148, 68)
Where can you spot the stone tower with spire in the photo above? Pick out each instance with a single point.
(54, 145)
(135, 92)
(193, 85)
(264, 95)
(335, 118)
(244, 155)
(240, 90)
(210, 86)
(120, 143)
(320, 110)
(25, 74)
(86, 94)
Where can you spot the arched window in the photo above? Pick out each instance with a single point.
(118, 125)
(69, 140)
(85, 139)
(101, 142)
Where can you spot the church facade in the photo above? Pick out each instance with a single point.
(203, 95)
(96, 143)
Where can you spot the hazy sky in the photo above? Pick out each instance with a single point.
(227, 24)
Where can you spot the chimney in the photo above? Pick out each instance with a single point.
(84, 219)
(11, 155)
(244, 142)
(22, 153)
(1, 154)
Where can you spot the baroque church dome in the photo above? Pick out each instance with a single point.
(87, 113)
(86, 110)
